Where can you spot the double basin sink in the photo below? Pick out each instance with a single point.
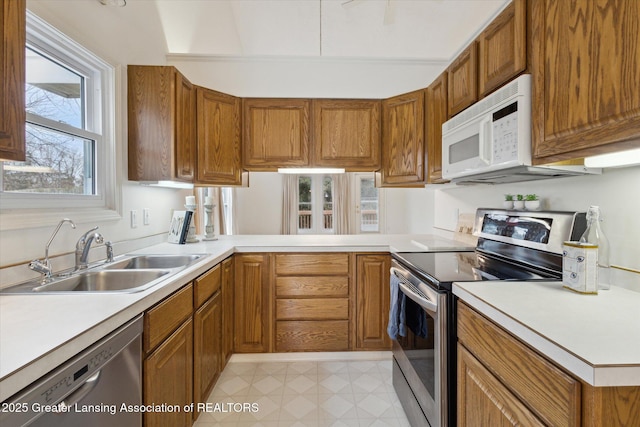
(129, 273)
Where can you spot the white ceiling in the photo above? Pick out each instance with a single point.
(425, 30)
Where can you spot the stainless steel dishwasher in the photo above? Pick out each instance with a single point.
(88, 390)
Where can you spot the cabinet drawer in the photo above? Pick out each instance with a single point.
(321, 264)
(327, 335)
(316, 308)
(553, 395)
(312, 286)
(166, 316)
(207, 285)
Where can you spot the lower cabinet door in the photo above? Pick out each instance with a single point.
(484, 401)
(207, 347)
(168, 378)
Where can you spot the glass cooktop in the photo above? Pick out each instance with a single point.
(441, 269)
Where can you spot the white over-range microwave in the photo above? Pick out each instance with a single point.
(490, 142)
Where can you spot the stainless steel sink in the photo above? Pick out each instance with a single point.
(153, 261)
(105, 281)
(131, 273)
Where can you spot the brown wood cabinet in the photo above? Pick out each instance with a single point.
(253, 304)
(228, 285)
(502, 48)
(462, 80)
(586, 78)
(276, 133)
(551, 394)
(372, 302)
(161, 123)
(168, 378)
(436, 115)
(499, 377)
(207, 347)
(219, 138)
(312, 301)
(487, 402)
(12, 79)
(346, 133)
(207, 333)
(168, 365)
(403, 151)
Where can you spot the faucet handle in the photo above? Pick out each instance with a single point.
(109, 247)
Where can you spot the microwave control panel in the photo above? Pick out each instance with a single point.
(505, 134)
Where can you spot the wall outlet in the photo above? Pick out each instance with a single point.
(134, 218)
(145, 216)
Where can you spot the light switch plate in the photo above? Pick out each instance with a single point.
(134, 218)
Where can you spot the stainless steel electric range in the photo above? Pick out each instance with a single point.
(512, 245)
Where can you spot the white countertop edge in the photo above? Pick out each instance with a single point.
(22, 376)
(597, 376)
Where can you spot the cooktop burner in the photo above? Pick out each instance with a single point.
(441, 269)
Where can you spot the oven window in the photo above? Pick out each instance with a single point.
(466, 149)
(418, 344)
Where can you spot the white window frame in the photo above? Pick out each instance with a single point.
(25, 210)
(357, 226)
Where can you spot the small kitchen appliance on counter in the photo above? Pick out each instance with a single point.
(512, 245)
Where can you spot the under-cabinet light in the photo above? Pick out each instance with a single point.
(300, 171)
(168, 184)
(614, 160)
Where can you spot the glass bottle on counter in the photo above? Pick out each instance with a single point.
(594, 235)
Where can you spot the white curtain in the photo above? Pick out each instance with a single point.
(342, 203)
(289, 204)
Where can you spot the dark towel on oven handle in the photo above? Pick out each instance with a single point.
(396, 310)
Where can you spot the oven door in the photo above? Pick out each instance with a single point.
(421, 352)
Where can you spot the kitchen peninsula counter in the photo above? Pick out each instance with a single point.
(40, 332)
(593, 337)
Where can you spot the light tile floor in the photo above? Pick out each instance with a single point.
(306, 394)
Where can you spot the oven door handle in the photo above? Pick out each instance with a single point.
(406, 288)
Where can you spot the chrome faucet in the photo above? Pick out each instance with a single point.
(44, 266)
(83, 246)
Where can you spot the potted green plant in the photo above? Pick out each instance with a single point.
(531, 202)
(518, 203)
(508, 201)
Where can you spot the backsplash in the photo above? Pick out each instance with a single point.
(612, 191)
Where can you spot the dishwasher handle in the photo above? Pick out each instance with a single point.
(78, 394)
(411, 291)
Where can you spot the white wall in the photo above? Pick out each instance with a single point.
(616, 191)
(116, 38)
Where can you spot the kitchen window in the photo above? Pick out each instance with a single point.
(70, 149)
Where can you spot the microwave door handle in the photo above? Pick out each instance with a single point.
(484, 140)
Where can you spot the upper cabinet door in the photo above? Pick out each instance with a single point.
(462, 76)
(185, 138)
(346, 133)
(403, 152)
(161, 124)
(219, 160)
(586, 71)
(275, 133)
(502, 52)
(436, 113)
(12, 79)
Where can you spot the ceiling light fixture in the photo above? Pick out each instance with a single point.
(119, 3)
(301, 171)
(614, 160)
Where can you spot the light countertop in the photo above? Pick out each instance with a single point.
(40, 332)
(594, 337)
